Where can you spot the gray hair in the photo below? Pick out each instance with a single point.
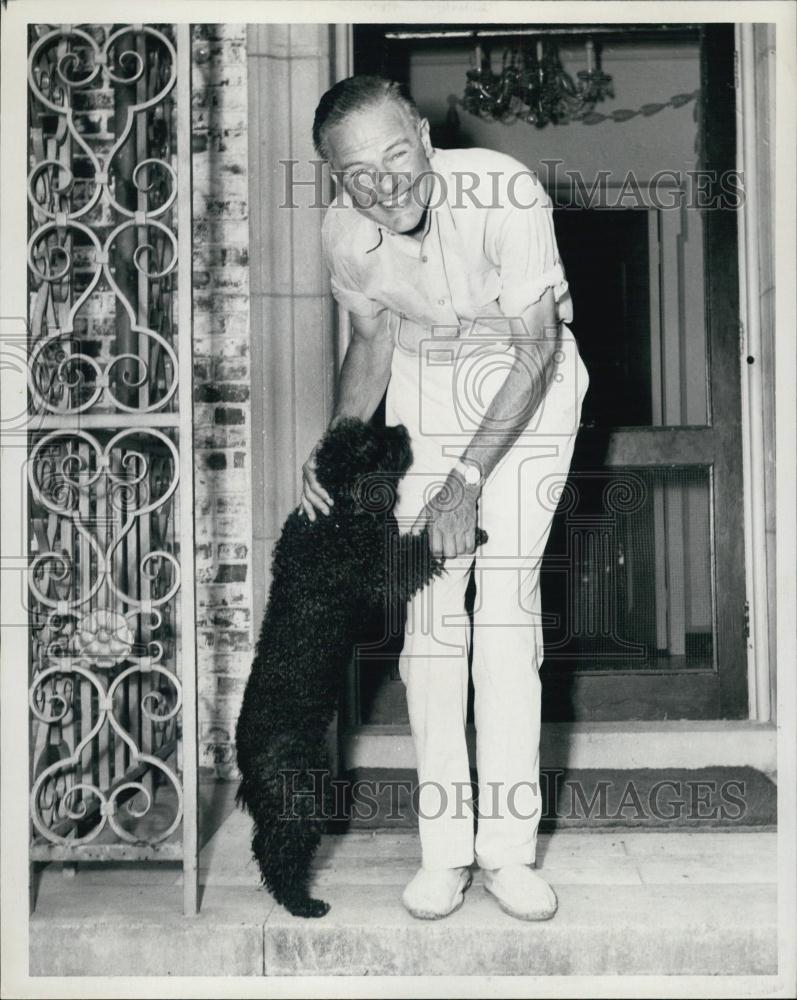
(354, 94)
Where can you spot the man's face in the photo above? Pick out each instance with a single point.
(380, 155)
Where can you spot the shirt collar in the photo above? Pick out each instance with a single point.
(382, 231)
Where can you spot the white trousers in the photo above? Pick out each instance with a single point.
(441, 395)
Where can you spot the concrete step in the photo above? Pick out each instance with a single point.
(630, 902)
(598, 930)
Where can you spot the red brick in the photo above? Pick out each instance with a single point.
(231, 572)
(232, 550)
(227, 415)
(221, 392)
(231, 686)
(232, 640)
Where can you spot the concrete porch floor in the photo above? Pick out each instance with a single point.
(630, 902)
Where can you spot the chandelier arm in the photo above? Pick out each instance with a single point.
(534, 86)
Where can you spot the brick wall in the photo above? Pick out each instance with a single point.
(222, 412)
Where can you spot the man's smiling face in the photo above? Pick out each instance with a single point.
(381, 156)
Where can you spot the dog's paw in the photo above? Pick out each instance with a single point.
(307, 907)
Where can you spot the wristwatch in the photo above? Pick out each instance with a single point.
(470, 472)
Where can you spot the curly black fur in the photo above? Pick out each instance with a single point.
(325, 574)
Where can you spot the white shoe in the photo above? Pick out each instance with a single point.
(435, 894)
(521, 892)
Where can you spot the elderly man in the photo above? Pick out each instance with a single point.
(448, 264)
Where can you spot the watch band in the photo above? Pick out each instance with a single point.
(470, 472)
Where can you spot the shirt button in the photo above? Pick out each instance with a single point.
(441, 302)
(424, 258)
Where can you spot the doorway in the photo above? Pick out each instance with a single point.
(643, 582)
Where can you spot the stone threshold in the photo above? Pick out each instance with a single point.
(648, 744)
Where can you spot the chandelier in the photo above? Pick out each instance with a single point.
(533, 85)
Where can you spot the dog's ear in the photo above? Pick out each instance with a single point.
(376, 489)
(397, 449)
(348, 450)
(353, 452)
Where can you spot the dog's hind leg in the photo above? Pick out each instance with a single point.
(287, 863)
(287, 804)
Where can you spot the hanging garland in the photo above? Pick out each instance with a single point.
(625, 114)
(619, 115)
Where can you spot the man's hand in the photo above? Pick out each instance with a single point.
(314, 496)
(364, 376)
(450, 518)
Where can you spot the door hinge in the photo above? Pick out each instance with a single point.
(747, 619)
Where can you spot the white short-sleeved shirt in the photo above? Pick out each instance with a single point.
(489, 248)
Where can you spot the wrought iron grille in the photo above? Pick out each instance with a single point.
(112, 683)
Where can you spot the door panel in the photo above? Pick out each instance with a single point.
(654, 595)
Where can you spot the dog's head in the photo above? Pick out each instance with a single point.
(364, 463)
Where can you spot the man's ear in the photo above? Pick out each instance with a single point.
(426, 142)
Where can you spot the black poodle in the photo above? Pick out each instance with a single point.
(326, 575)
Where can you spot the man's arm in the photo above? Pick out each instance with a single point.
(364, 376)
(451, 515)
(365, 372)
(535, 337)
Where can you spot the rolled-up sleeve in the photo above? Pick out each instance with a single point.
(343, 281)
(355, 301)
(526, 250)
